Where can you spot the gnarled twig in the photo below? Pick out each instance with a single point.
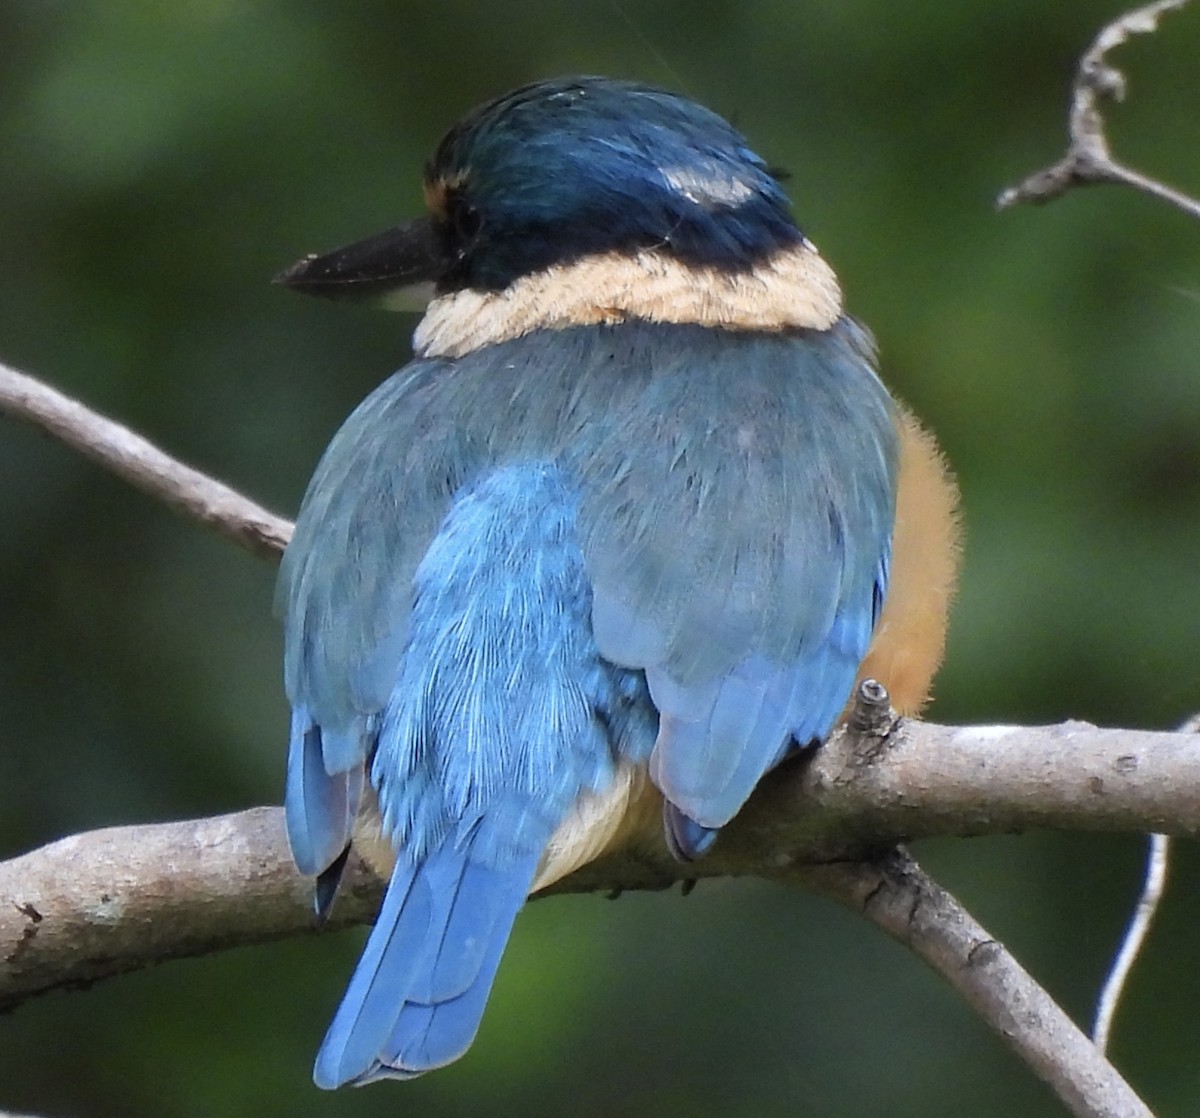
(1088, 159)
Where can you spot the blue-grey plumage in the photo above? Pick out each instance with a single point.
(631, 510)
(505, 557)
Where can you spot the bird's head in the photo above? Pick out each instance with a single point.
(561, 170)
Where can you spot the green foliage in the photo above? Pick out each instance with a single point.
(161, 162)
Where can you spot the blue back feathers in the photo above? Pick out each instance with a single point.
(585, 547)
(516, 569)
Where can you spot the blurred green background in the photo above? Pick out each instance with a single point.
(161, 162)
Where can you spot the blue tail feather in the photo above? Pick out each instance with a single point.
(368, 1010)
(431, 1036)
(416, 999)
(481, 903)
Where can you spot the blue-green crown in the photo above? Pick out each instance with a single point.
(565, 168)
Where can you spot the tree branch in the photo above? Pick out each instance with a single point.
(110, 901)
(895, 895)
(1088, 159)
(142, 464)
(116, 900)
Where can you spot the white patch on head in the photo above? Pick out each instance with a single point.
(707, 190)
(794, 289)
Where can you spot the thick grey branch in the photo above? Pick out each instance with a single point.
(1088, 159)
(107, 902)
(111, 901)
(894, 894)
(141, 463)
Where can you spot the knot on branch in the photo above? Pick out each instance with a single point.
(872, 712)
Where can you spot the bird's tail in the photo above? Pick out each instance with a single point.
(417, 996)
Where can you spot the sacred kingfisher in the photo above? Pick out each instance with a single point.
(620, 537)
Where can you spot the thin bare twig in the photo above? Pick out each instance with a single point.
(142, 464)
(1135, 936)
(1153, 885)
(1089, 159)
(894, 894)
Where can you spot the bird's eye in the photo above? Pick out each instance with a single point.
(464, 219)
